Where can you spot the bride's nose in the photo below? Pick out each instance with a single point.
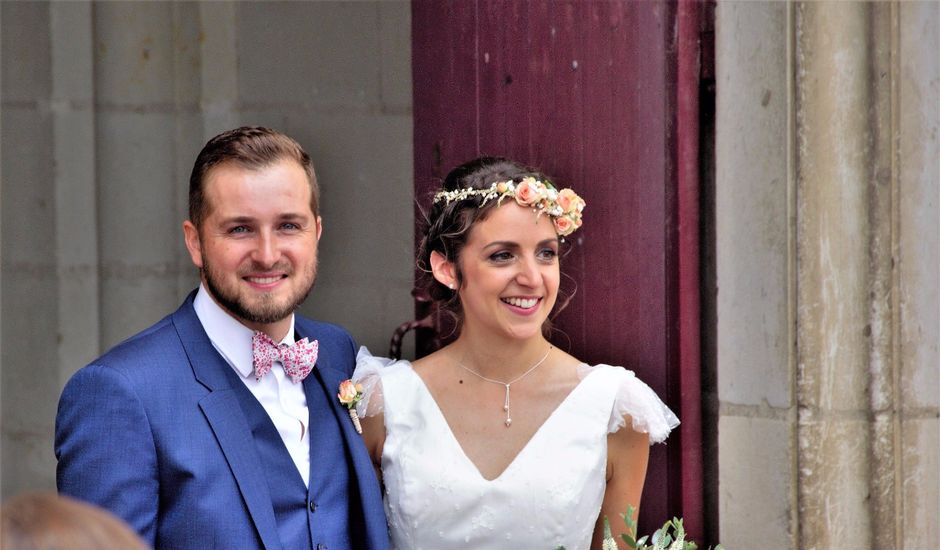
(529, 274)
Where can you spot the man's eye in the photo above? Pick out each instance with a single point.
(239, 229)
(290, 226)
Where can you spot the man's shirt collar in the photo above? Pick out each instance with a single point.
(229, 337)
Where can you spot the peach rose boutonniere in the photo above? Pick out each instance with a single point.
(350, 394)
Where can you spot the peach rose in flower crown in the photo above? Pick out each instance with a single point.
(568, 200)
(564, 225)
(529, 191)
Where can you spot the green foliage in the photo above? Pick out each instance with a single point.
(671, 536)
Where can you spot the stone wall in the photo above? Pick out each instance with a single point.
(105, 106)
(828, 211)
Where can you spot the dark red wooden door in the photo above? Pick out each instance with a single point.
(586, 91)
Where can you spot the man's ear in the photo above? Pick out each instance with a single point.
(193, 244)
(444, 270)
(319, 227)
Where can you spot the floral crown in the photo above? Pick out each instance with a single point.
(564, 207)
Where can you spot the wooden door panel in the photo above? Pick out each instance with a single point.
(586, 92)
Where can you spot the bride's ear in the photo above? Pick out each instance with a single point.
(444, 271)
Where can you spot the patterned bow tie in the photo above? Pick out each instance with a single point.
(298, 360)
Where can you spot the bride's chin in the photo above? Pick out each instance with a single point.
(524, 334)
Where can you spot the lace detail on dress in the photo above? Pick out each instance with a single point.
(369, 373)
(639, 402)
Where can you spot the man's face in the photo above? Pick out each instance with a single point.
(257, 246)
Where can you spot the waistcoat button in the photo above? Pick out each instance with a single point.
(313, 507)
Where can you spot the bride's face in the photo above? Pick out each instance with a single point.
(510, 273)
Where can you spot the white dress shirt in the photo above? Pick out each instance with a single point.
(283, 400)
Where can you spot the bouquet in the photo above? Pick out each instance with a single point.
(671, 536)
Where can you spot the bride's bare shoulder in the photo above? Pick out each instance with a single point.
(567, 359)
(432, 362)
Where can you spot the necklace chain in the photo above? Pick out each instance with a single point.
(506, 385)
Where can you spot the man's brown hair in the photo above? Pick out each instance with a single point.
(251, 147)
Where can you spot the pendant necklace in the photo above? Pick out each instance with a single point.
(507, 384)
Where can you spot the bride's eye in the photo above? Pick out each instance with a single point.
(501, 257)
(547, 254)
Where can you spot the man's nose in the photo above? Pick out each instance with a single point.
(267, 252)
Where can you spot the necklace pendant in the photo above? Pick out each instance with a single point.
(506, 385)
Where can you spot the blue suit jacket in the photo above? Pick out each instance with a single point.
(153, 432)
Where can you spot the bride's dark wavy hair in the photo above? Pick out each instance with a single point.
(448, 225)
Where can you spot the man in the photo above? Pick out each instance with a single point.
(220, 426)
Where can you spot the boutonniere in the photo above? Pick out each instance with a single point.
(350, 394)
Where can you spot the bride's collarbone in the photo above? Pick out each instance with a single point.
(477, 402)
(474, 412)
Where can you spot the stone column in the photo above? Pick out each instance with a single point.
(754, 221)
(833, 148)
(916, 279)
(32, 338)
(74, 177)
(144, 97)
(829, 297)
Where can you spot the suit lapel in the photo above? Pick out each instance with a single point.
(224, 414)
(331, 378)
(370, 495)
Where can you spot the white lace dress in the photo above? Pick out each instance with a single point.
(551, 493)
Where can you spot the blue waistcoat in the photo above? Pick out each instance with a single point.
(317, 516)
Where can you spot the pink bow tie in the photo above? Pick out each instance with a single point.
(298, 360)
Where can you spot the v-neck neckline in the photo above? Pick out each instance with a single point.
(529, 443)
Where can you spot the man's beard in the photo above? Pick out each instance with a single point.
(266, 311)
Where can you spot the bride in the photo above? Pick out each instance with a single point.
(500, 439)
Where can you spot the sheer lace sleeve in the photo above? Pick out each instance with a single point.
(369, 373)
(638, 402)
